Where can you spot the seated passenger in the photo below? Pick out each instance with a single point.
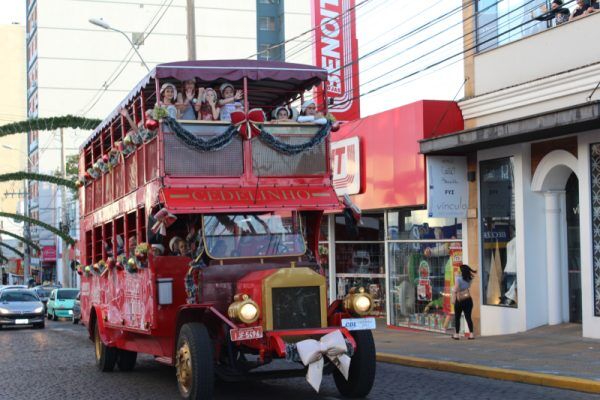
(282, 114)
(132, 245)
(186, 100)
(580, 10)
(158, 250)
(183, 249)
(229, 101)
(174, 245)
(169, 95)
(309, 114)
(209, 109)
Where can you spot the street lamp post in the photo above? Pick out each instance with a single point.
(103, 24)
(26, 227)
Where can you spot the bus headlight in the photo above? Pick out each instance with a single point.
(358, 302)
(243, 309)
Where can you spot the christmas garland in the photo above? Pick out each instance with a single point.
(3, 259)
(17, 252)
(292, 149)
(22, 239)
(44, 225)
(48, 124)
(33, 176)
(189, 139)
(218, 142)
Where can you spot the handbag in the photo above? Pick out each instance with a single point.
(463, 295)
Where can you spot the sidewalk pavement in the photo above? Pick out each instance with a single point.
(554, 356)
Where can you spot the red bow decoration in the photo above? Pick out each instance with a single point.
(247, 124)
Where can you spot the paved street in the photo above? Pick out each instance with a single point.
(58, 363)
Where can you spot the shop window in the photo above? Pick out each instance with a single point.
(370, 228)
(498, 241)
(424, 256)
(595, 175)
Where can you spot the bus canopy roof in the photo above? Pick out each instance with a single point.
(269, 82)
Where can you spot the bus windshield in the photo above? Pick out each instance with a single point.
(266, 234)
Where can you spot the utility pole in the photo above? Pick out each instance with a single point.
(191, 29)
(64, 214)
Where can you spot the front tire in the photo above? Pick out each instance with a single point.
(106, 356)
(362, 368)
(194, 362)
(126, 360)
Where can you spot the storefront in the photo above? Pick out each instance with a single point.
(403, 258)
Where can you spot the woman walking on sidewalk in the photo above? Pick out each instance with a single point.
(463, 303)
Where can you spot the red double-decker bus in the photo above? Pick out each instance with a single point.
(199, 238)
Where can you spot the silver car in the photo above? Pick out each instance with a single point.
(21, 307)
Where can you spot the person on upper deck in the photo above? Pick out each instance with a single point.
(581, 9)
(168, 96)
(282, 114)
(229, 101)
(186, 100)
(557, 12)
(209, 109)
(309, 113)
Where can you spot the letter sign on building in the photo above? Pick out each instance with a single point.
(447, 188)
(345, 160)
(336, 50)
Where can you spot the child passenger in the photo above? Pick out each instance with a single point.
(282, 114)
(169, 95)
(186, 101)
(309, 114)
(230, 101)
(209, 110)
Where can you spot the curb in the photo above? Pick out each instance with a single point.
(532, 378)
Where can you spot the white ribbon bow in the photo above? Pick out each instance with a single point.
(311, 353)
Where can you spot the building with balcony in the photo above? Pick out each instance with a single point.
(532, 144)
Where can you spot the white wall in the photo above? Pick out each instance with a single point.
(552, 51)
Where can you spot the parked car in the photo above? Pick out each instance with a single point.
(4, 287)
(60, 303)
(21, 307)
(43, 293)
(77, 310)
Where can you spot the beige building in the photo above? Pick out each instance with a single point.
(13, 107)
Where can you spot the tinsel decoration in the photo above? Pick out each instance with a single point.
(41, 224)
(3, 260)
(33, 176)
(22, 239)
(292, 149)
(132, 265)
(48, 124)
(13, 249)
(87, 270)
(113, 158)
(147, 134)
(141, 254)
(121, 261)
(190, 140)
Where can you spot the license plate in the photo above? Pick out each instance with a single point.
(21, 321)
(254, 332)
(70, 312)
(358, 324)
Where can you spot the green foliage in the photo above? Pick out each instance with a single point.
(44, 225)
(48, 124)
(14, 250)
(22, 239)
(34, 176)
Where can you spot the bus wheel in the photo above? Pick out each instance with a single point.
(106, 357)
(362, 368)
(126, 360)
(194, 362)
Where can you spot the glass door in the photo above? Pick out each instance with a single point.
(573, 248)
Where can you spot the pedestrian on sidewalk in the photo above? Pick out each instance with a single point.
(463, 303)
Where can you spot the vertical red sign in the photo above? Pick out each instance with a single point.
(336, 49)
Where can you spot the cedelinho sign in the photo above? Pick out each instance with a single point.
(345, 159)
(447, 187)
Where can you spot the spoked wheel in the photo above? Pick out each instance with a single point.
(194, 362)
(126, 360)
(106, 357)
(362, 368)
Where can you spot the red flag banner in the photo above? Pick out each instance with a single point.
(336, 49)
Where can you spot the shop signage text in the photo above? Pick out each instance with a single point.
(345, 159)
(336, 50)
(48, 253)
(448, 191)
